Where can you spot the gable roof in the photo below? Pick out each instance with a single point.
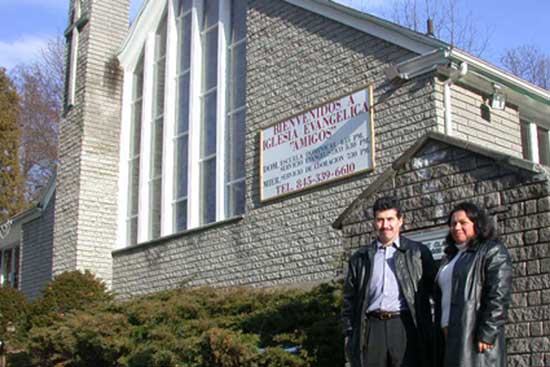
(500, 158)
(534, 101)
(391, 32)
(146, 20)
(10, 230)
(419, 43)
(46, 195)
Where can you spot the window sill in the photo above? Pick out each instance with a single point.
(173, 236)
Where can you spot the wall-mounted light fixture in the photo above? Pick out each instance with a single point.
(498, 99)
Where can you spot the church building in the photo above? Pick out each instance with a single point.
(242, 143)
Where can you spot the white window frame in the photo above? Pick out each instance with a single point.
(73, 65)
(534, 141)
(144, 229)
(534, 151)
(547, 134)
(195, 116)
(169, 122)
(194, 189)
(129, 62)
(77, 22)
(154, 116)
(130, 158)
(231, 183)
(224, 32)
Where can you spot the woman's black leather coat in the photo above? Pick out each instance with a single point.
(481, 295)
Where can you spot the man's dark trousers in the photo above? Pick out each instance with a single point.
(391, 342)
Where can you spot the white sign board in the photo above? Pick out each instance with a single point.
(329, 142)
(434, 238)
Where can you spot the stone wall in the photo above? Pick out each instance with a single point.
(36, 252)
(436, 177)
(68, 171)
(295, 61)
(87, 184)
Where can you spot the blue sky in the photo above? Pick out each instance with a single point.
(26, 25)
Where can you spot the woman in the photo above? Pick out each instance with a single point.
(474, 284)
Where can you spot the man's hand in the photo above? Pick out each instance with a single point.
(482, 347)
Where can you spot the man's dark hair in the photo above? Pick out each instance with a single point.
(387, 203)
(482, 223)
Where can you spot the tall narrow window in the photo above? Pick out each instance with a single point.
(526, 140)
(194, 66)
(72, 35)
(157, 129)
(16, 259)
(135, 148)
(235, 130)
(7, 267)
(209, 95)
(544, 147)
(183, 71)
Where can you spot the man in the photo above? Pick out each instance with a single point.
(386, 309)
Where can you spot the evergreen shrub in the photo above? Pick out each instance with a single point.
(201, 327)
(70, 291)
(14, 310)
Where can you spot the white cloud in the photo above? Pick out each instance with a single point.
(23, 49)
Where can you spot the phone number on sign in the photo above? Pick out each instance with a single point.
(325, 176)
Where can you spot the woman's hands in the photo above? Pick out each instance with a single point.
(482, 347)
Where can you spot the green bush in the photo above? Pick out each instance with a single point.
(226, 348)
(18, 359)
(278, 357)
(149, 356)
(67, 292)
(14, 310)
(200, 327)
(82, 339)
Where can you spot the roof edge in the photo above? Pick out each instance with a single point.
(36, 209)
(418, 145)
(378, 27)
(146, 19)
(512, 81)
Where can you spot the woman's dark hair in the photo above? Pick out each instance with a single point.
(482, 223)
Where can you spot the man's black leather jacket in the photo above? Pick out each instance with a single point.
(415, 272)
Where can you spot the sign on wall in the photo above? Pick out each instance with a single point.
(434, 238)
(329, 142)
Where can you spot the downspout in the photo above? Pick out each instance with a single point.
(455, 76)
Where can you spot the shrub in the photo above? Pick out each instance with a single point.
(225, 348)
(14, 310)
(69, 291)
(81, 339)
(18, 359)
(189, 328)
(278, 357)
(149, 356)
